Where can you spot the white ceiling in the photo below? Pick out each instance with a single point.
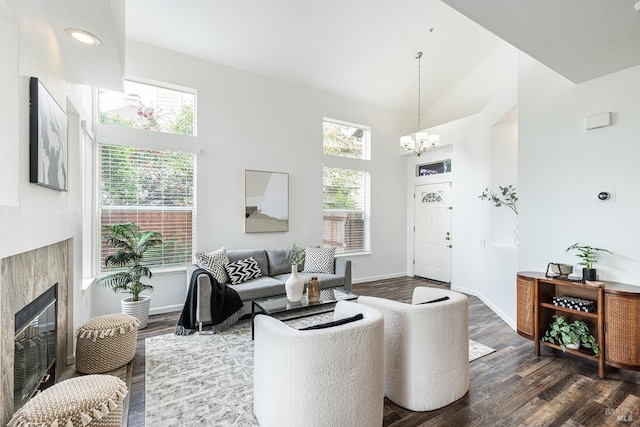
(361, 49)
(42, 25)
(579, 39)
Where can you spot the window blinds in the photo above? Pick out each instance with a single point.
(154, 189)
(346, 210)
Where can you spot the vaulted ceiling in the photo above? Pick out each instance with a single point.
(362, 49)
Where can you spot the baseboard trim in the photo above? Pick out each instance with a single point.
(166, 309)
(488, 303)
(381, 277)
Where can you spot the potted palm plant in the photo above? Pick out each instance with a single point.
(589, 255)
(130, 243)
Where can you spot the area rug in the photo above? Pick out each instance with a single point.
(208, 379)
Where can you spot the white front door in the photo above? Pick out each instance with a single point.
(432, 231)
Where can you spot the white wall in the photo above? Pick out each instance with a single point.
(483, 150)
(562, 167)
(32, 216)
(250, 122)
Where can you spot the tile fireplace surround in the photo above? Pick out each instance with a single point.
(24, 277)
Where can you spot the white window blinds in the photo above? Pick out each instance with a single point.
(346, 210)
(154, 189)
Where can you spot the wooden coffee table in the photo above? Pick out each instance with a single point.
(280, 304)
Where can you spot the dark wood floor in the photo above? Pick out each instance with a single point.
(509, 387)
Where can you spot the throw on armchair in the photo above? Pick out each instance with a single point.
(322, 377)
(426, 348)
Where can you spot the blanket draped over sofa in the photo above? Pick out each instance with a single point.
(226, 306)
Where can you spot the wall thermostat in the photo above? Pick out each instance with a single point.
(606, 196)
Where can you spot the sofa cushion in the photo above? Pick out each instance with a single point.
(318, 260)
(260, 287)
(243, 270)
(326, 280)
(279, 261)
(214, 263)
(259, 254)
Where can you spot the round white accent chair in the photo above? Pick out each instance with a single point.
(324, 377)
(426, 348)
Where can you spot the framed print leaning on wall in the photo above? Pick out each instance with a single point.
(47, 139)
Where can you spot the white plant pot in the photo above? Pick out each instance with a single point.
(138, 309)
(575, 345)
(294, 285)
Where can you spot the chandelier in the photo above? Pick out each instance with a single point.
(420, 141)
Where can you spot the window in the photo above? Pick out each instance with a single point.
(345, 140)
(149, 107)
(346, 208)
(436, 168)
(154, 189)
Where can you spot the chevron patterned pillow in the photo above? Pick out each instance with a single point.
(318, 260)
(243, 270)
(214, 263)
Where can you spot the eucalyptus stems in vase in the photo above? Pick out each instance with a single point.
(508, 197)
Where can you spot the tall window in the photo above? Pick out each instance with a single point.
(150, 107)
(154, 189)
(346, 192)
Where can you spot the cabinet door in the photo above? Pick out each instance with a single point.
(622, 331)
(525, 297)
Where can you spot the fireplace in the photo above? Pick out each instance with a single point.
(24, 278)
(35, 347)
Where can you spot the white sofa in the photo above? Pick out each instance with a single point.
(426, 348)
(325, 377)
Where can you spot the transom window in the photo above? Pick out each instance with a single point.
(149, 107)
(345, 140)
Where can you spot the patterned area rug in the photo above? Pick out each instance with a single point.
(208, 379)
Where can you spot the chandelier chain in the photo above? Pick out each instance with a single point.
(418, 57)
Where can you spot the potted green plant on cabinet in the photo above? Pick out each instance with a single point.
(571, 335)
(130, 243)
(589, 255)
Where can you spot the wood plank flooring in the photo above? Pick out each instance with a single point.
(509, 387)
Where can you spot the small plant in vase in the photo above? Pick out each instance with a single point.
(589, 256)
(294, 285)
(508, 197)
(570, 335)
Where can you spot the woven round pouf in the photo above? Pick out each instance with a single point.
(94, 400)
(106, 343)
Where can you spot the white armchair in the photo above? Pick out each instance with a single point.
(324, 377)
(426, 360)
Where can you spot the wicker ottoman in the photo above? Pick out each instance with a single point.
(106, 343)
(94, 400)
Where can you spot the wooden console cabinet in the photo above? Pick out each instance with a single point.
(615, 322)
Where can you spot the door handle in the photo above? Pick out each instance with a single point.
(449, 246)
(447, 238)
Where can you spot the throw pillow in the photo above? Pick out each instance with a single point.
(243, 270)
(318, 260)
(214, 263)
(339, 322)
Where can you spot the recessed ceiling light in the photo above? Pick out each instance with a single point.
(82, 36)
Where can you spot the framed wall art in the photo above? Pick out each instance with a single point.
(266, 201)
(47, 139)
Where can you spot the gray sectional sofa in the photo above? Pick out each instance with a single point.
(275, 265)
